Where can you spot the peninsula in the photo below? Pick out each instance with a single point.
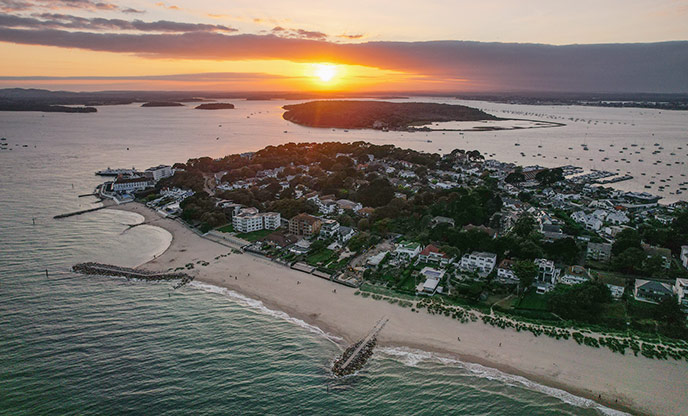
(45, 108)
(378, 114)
(478, 259)
(215, 106)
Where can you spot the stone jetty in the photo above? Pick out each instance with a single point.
(356, 355)
(110, 270)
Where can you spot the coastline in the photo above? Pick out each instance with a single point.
(628, 383)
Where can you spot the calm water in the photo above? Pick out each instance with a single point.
(76, 345)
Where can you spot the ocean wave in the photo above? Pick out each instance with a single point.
(260, 307)
(413, 357)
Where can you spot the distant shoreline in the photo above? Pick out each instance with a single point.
(624, 382)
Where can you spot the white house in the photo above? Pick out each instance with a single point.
(345, 233)
(432, 254)
(574, 275)
(617, 291)
(479, 261)
(432, 280)
(590, 222)
(684, 256)
(505, 272)
(681, 290)
(345, 204)
(547, 272)
(329, 228)
(618, 218)
(407, 250)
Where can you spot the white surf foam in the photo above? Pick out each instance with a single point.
(413, 357)
(260, 307)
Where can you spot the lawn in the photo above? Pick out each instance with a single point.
(612, 278)
(256, 235)
(319, 256)
(532, 301)
(229, 228)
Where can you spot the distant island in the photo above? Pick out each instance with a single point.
(162, 104)
(215, 106)
(45, 108)
(378, 114)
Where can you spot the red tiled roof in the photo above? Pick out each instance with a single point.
(431, 249)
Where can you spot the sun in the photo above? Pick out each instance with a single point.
(325, 72)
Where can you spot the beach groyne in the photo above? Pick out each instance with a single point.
(100, 269)
(356, 355)
(71, 214)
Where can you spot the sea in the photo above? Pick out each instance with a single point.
(84, 345)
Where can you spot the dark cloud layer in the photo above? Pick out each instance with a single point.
(650, 67)
(298, 33)
(59, 21)
(25, 5)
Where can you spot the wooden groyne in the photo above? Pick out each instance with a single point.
(110, 270)
(71, 214)
(356, 355)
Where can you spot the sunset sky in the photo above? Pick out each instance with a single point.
(441, 45)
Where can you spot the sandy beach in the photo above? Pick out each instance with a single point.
(633, 384)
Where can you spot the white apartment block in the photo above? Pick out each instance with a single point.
(249, 220)
(479, 261)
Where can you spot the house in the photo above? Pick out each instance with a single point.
(305, 224)
(591, 222)
(481, 262)
(406, 250)
(552, 232)
(664, 253)
(301, 247)
(345, 204)
(127, 185)
(329, 228)
(344, 234)
(407, 174)
(432, 254)
(574, 275)
(681, 292)
(599, 251)
(651, 291)
(366, 212)
(547, 272)
(249, 220)
(684, 256)
(486, 230)
(159, 172)
(432, 280)
(617, 291)
(505, 272)
(280, 240)
(618, 218)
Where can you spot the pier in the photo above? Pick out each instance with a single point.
(110, 270)
(356, 355)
